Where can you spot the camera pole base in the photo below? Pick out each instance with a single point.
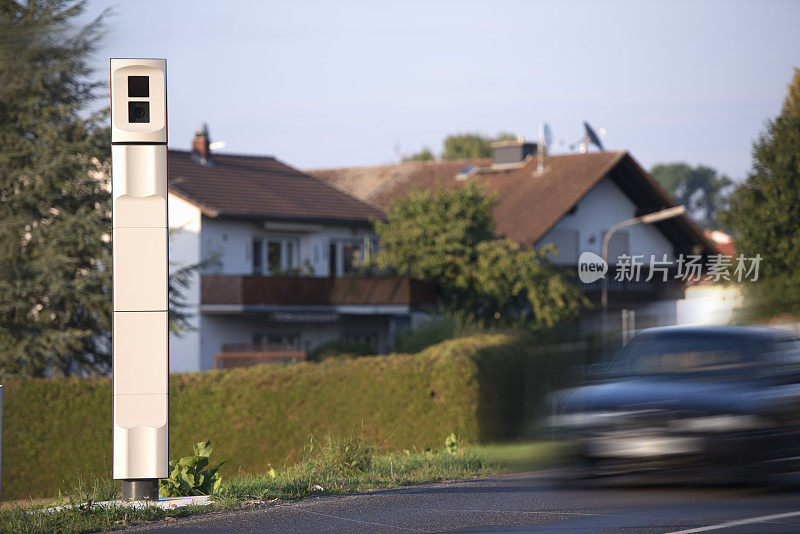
(140, 489)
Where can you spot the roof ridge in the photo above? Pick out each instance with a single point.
(398, 164)
(227, 154)
(617, 154)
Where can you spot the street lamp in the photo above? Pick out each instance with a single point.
(650, 218)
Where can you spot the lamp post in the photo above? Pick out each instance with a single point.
(650, 218)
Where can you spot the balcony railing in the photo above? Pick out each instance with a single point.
(245, 355)
(299, 290)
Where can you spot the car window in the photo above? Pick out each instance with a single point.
(668, 354)
(785, 352)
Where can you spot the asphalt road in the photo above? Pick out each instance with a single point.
(533, 502)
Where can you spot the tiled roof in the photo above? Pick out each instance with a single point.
(263, 187)
(528, 204)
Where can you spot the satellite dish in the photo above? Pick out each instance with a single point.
(545, 135)
(545, 140)
(591, 136)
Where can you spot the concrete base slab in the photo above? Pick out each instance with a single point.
(165, 503)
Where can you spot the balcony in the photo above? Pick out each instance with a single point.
(220, 292)
(245, 355)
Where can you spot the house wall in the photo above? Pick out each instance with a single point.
(184, 249)
(228, 242)
(601, 208)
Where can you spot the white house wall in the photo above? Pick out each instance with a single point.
(601, 208)
(184, 249)
(229, 242)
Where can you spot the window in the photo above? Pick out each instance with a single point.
(277, 254)
(353, 256)
(785, 352)
(345, 256)
(566, 241)
(332, 263)
(618, 246)
(274, 255)
(258, 257)
(365, 338)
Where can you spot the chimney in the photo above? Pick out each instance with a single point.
(200, 145)
(512, 152)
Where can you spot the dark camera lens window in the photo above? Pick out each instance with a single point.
(139, 86)
(138, 111)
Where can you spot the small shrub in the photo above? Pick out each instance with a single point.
(190, 475)
(451, 443)
(340, 347)
(346, 455)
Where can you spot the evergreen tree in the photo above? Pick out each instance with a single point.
(765, 210)
(55, 305)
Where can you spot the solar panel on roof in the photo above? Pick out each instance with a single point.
(466, 172)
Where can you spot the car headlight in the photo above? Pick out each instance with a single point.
(718, 423)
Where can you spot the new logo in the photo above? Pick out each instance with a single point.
(591, 267)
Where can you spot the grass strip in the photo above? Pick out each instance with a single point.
(341, 466)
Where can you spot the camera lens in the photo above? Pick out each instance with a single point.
(138, 111)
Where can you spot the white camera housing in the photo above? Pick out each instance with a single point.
(140, 268)
(122, 129)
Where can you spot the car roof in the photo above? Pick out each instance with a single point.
(727, 331)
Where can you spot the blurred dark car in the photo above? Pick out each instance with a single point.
(685, 397)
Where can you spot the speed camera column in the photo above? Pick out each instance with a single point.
(140, 270)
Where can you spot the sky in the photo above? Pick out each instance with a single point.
(350, 83)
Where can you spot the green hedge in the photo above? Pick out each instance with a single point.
(55, 430)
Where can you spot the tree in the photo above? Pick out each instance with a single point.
(447, 237)
(472, 145)
(764, 210)
(700, 189)
(433, 236)
(522, 284)
(423, 155)
(54, 199)
(466, 146)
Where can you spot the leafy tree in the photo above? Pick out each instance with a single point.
(472, 145)
(447, 237)
(700, 189)
(765, 210)
(433, 236)
(467, 146)
(54, 199)
(423, 155)
(523, 285)
(505, 136)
